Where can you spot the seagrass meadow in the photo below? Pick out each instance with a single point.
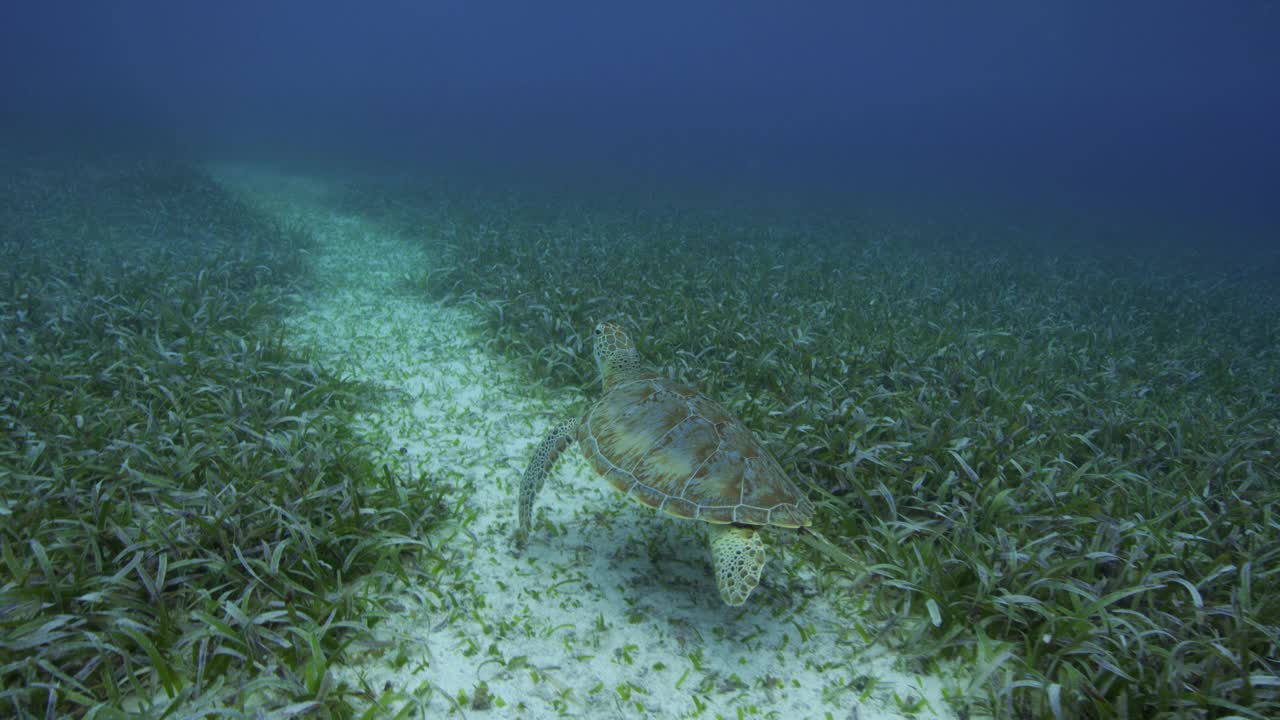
(1059, 465)
(1053, 463)
(187, 524)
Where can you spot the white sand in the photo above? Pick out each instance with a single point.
(612, 611)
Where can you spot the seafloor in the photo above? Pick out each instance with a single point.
(263, 434)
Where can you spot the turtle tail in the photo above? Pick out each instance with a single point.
(544, 458)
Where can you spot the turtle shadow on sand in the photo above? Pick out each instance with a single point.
(662, 566)
(647, 569)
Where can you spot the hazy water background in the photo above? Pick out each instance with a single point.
(859, 179)
(1093, 112)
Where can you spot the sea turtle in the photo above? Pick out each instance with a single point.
(671, 448)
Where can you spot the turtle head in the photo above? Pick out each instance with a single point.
(616, 355)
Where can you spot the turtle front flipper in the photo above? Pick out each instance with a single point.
(738, 556)
(561, 437)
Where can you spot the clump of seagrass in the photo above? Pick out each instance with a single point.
(182, 504)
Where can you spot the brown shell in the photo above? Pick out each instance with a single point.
(669, 447)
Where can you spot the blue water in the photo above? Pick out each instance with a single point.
(1162, 109)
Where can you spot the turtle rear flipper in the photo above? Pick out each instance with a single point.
(738, 556)
(544, 458)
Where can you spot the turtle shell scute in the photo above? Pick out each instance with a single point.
(673, 449)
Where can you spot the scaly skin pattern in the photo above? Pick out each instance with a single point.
(738, 556)
(616, 356)
(544, 458)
